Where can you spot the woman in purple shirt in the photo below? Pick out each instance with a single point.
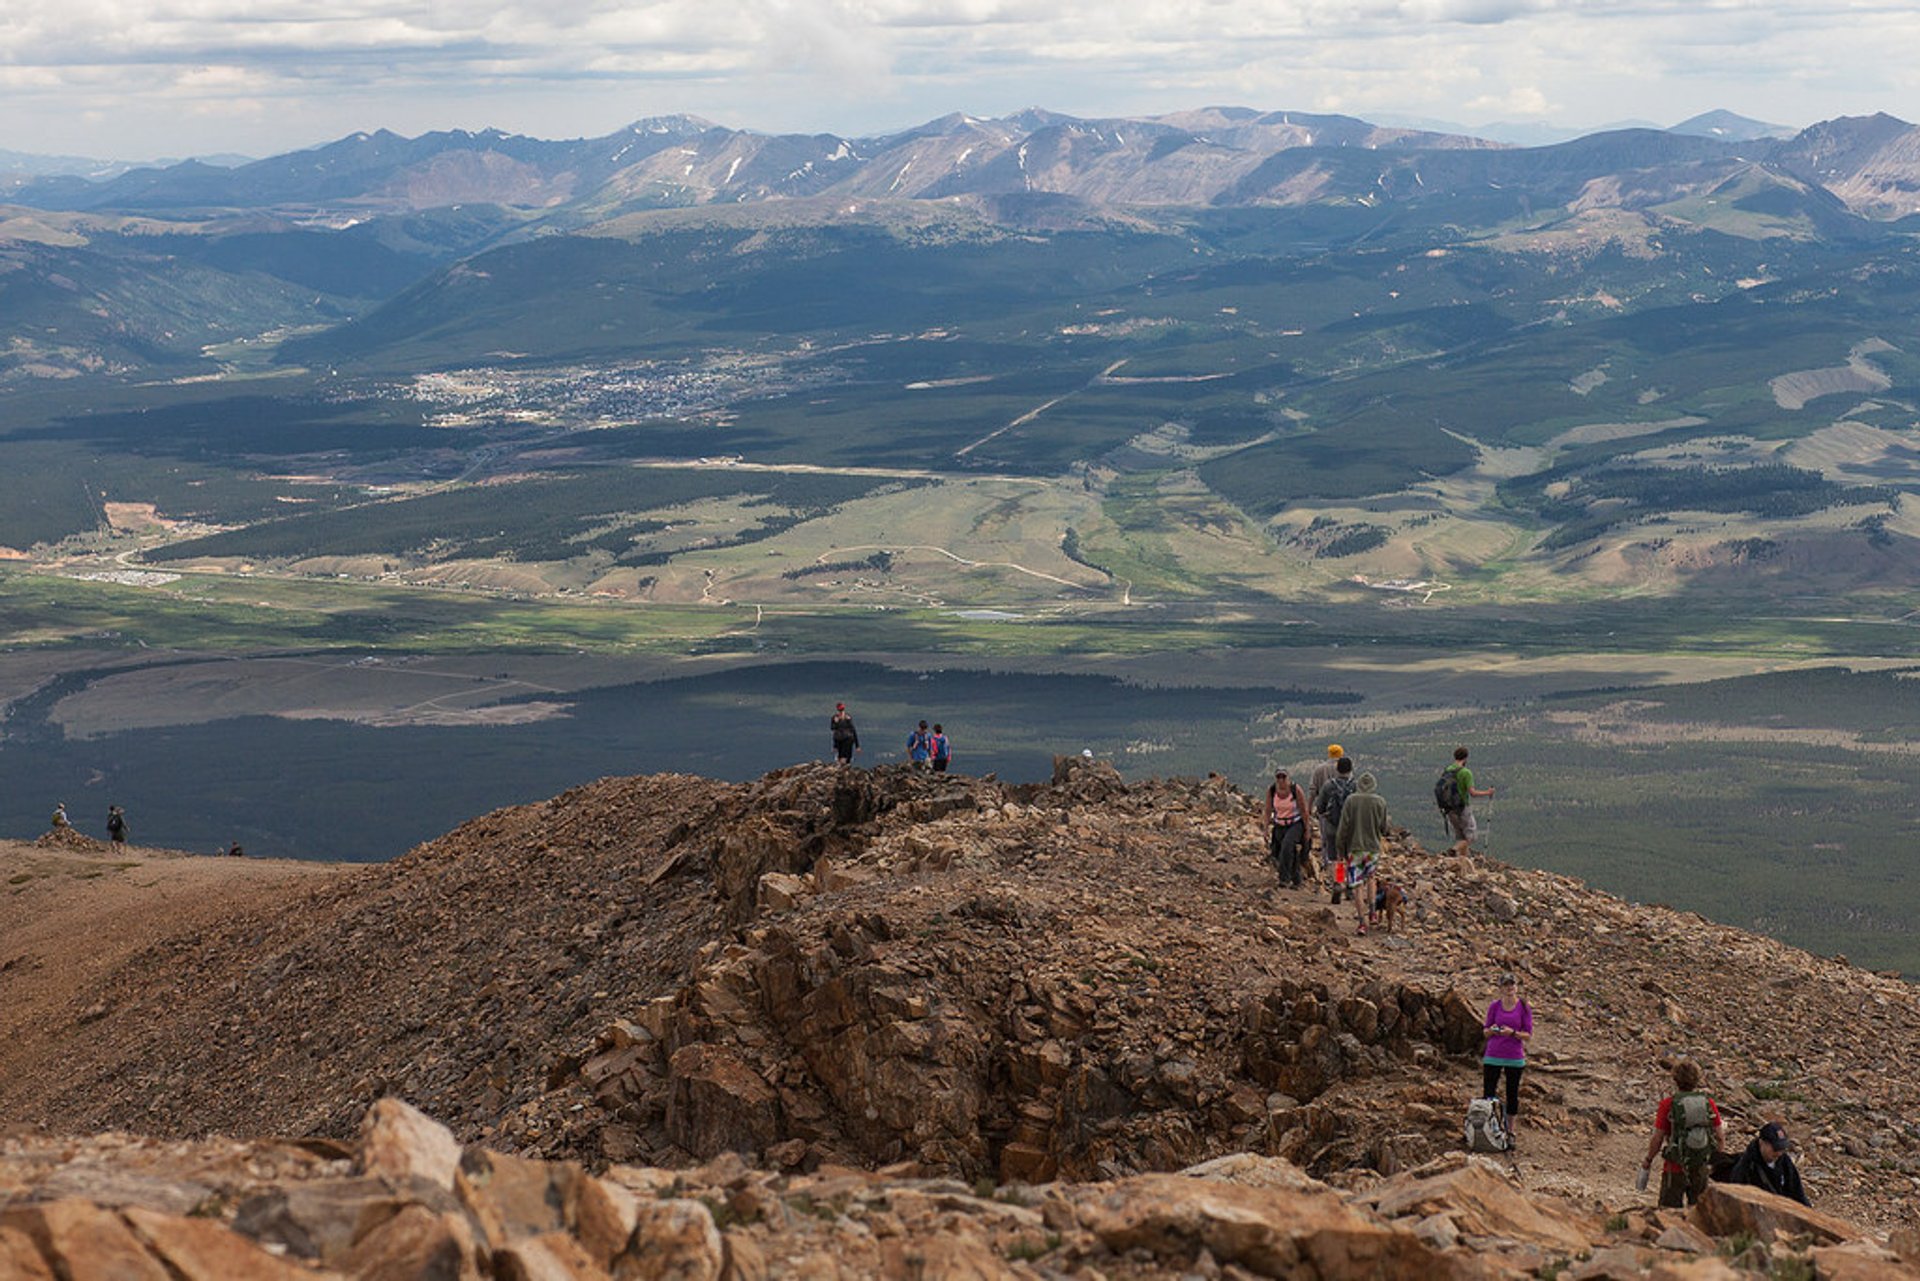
(1509, 1026)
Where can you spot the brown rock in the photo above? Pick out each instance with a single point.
(414, 1245)
(719, 1104)
(1686, 1238)
(782, 891)
(604, 1218)
(1707, 1269)
(20, 1259)
(675, 1240)
(82, 1240)
(400, 1143)
(1267, 1232)
(1482, 1202)
(205, 1250)
(1730, 1208)
(950, 1256)
(746, 1261)
(551, 1256)
(319, 1220)
(1861, 1261)
(512, 1197)
(1617, 1263)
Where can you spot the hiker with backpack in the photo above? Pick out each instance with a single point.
(116, 825)
(1287, 829)
(919, 747)
(1328, 796)
(1360, 837)
(1324, 773)
(846, 739)
(1766, 1164)
(1508, 1027)
(1687, 1130)
(941, 749)
(1453, 793)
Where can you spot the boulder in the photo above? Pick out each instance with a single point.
(1706, 1269)
(206, 1250)
(414, 1244)
(512, 1197)
(675, 1240)
(20, 1260)
(719, 1104)
(551, 1256)
(1729, 1209)
(604, 1218)
(320, 1220)
(1861, 1261)
(1263, 1230)
(782, 891)
(80, 1239)
(400, 1143)
(1482, 1201)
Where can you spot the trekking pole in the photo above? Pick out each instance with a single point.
(1488, 841)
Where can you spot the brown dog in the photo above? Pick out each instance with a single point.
(1388, 900)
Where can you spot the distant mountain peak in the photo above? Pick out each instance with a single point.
(679, 126)
(1730, 127)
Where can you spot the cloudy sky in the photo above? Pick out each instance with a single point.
(136, 79)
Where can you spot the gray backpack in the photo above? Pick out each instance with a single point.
(1486, 1126)
(1689, 1131)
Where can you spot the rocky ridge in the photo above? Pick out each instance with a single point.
(405, 1200)
(957, 979)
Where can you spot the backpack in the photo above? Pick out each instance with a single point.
(1333, 798)
(842, 729)
(1486, 1126)
(941, 750)
(1446, 791)
(1689, 1131)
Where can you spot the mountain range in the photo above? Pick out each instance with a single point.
(1212, 157)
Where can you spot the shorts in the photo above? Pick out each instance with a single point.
(843, 750)
(1461, 824)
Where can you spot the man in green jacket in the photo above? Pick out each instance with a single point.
(1361, 840)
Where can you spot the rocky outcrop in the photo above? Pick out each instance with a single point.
(380, 1212)
(950, 977)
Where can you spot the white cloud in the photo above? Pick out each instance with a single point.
(585, 66)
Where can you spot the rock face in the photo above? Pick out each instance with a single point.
(1080, 982)
(266, 1215)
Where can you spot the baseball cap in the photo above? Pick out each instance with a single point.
(1776, 1134)
(839, 707)
(1334, 750)
(1508, 979)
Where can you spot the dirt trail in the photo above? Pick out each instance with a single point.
(72, 912)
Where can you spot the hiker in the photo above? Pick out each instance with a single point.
(1286, 828)
(942, 749)
(1454, 793)
(846, 739)
(1324, 773)
(919, 747)
(1687, 1131)
(1329, 797)
(60, 816)
(1508, 1027)
(234, 851)
(1360, 838)
(116, 825)
(1766, 1164)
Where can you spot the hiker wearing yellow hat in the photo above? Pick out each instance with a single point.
(1324, 773)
